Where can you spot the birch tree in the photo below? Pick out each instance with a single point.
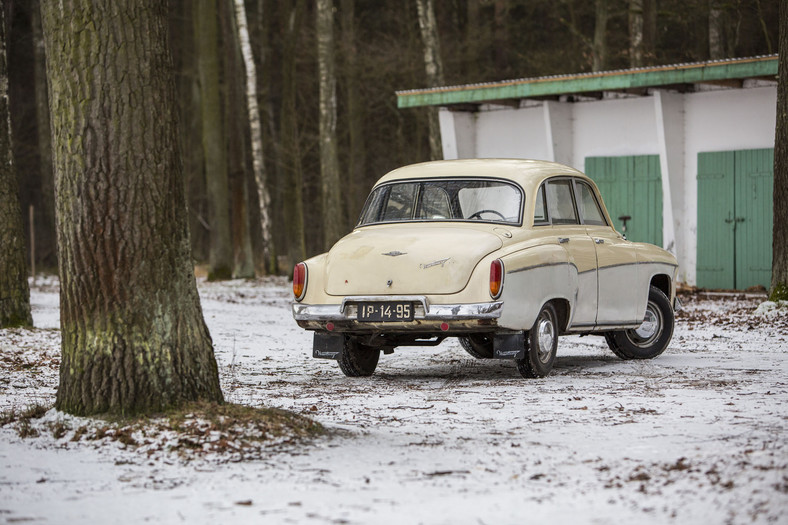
(256, 132)
(780, 210)
(434, 68)
(14, 291)
(133, 334)
(329, 162)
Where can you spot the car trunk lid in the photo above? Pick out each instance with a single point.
(402, 260)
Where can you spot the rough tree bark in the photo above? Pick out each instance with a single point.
(599, 50)
(780, 210)
(355, 115)
(291, 172)
(256, 133)
(434, 67)
(14, 291)
(133, 335)
(329, 161)
(716, 31)
(220, 255)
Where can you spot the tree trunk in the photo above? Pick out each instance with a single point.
(636, 33)
(256, 133)
(45, 222)
(780, 210)
(434, 68)
(293, 179)
(220, 257)
(133, 335)
(14, 291)
(600, 37)
(649, 31)
(716, 31)
(329, 163)
(355, 116)
(236, 122)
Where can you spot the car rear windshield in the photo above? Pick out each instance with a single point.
(444, 200)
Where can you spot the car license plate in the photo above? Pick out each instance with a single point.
(385, 312)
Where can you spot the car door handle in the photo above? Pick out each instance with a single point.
(563, 240)
(599, 241)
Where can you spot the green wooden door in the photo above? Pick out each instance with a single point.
(735, 218)
(715, 220)
(754, 187)
(632, 186)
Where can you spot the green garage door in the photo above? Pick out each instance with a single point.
(735, 218)
(631, 186)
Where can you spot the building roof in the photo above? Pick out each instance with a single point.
(730, 73)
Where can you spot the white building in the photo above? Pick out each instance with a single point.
(686, 151)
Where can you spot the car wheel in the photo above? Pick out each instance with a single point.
(542, 345)
(479, 346)
(652, 337)
(357, 360)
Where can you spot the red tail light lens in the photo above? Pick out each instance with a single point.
(299, 281)
(496, 278)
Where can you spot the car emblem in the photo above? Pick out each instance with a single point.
(394, 253)
(440, 263)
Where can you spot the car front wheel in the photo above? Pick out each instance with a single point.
(542, 345)
(357, 360)
(652, 337)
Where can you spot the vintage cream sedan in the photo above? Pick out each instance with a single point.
(506, 255)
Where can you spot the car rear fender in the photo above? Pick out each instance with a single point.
(533, 277)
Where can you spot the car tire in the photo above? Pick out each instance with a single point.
(479, 346)
(651, 338)
(541, 345)
(357, 360)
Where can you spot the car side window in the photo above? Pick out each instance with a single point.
(540, 211)
(590, 211)
(400, 202)
(560, 203)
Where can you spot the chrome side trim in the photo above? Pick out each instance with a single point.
(435, 312)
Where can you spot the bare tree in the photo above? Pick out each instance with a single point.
(599, 52)
(14, 291)
(256, 132)
(434, 67)
(636, 39)
(716, 31)
(780, 211)
(329, 162)
(220, 257)
(133, 334)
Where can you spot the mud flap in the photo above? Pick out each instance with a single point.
(327, 346)
(509, 346)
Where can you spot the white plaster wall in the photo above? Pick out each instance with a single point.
(613, 127)
(511, 133)
(721, 121)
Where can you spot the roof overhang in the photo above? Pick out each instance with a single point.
(730, 73)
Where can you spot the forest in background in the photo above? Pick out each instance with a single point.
(378, 49)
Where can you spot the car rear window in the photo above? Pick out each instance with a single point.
(444, 200)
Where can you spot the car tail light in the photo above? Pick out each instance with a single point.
(299, 281)
(496, 278)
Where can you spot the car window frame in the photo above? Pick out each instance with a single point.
(574, 181)
(386, 186)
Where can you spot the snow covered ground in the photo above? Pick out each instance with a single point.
(697, 435)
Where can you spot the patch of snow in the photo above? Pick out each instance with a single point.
(694, 436)
(772, 308)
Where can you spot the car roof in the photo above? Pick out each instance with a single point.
(527, 173)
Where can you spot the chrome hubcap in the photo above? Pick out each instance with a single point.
(546, 336)
(650, 330)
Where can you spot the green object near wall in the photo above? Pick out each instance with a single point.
(631, 186)
(735, 218)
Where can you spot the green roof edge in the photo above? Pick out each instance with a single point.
(591, 82)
